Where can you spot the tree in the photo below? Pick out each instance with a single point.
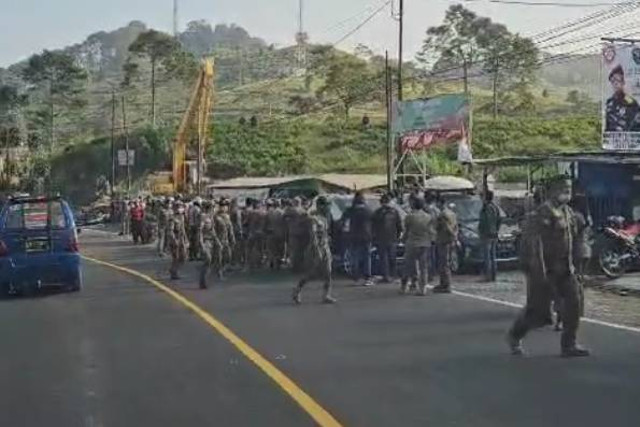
(466, 41)
(509, 59)
(11, 103)
(56, 77)
(159, 48)
(198, 38)
(350, 80)
(454, 43)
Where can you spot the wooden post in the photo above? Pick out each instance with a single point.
(126, 145)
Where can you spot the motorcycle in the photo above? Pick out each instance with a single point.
(619, 247)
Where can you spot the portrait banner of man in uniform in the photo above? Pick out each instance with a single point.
(621, 91)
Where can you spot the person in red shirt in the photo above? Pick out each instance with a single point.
(137, 219)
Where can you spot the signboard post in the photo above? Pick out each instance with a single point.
(620, 95)
(420, 124)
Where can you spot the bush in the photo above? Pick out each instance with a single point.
(271, 149)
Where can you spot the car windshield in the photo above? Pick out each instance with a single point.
(36, 215)
(467, 209)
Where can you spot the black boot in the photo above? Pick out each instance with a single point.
(575, 351)
(440, 289)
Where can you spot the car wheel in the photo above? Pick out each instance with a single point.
(76, 283)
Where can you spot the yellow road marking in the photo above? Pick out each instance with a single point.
(313, 408)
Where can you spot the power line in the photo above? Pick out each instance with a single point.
(344, 22)
(363, 23)
(549, 3)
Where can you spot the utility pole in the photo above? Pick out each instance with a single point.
(387, 84)
(52, 136)
(153, 93)
(113, 143)
(400, 166)
(175, 18)
(126, 145)
(400, 47)
(302, 38)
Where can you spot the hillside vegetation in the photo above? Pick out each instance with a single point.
(271, 118)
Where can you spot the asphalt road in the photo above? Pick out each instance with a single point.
(124, 353)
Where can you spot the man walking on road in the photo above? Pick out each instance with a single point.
(418, 235)
(488, 229)
(125, 218)
(360, 220)
(178, 240)
(256, 219)
(446, 238)
(193, 224)
(226, 237)
(164, 216)
(431, 207)
(295, 219)
(387, 229)
(209, 243)
(317, 254)
(236, 215)
(137, 221)
(275, 234)
(554, 229)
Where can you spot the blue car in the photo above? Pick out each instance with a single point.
(38, 245)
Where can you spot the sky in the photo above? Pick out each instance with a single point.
(29, 26)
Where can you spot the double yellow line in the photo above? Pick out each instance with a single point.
(317, 412)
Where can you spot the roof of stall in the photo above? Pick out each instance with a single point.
(608, 157)
(348, 182)
(448, 183)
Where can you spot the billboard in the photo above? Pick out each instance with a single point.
(620, 95)
(422, 123)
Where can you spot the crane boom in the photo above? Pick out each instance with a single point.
(193, 130)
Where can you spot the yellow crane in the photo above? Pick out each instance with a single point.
(191, 140)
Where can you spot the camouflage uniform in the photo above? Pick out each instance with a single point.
(275, 235)
(210, 246)
(297, 239)
(236, 216)
(256, 241)
(194, 216)
(539, 292)
(317, 255)
(164, 218)
(555, 228)
(178, 243)
(226, 238)
(446, 238)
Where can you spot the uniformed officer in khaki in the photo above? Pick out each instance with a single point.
(446, 239)
(317, 253)
(210, 245)
(556, 229)
(178, 240)
(226, 236)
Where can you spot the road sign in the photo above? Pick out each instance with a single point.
(122, 157)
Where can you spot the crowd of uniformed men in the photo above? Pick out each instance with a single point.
(275, 233)
(289, 232)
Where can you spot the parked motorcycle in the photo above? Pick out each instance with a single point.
(619, 247)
